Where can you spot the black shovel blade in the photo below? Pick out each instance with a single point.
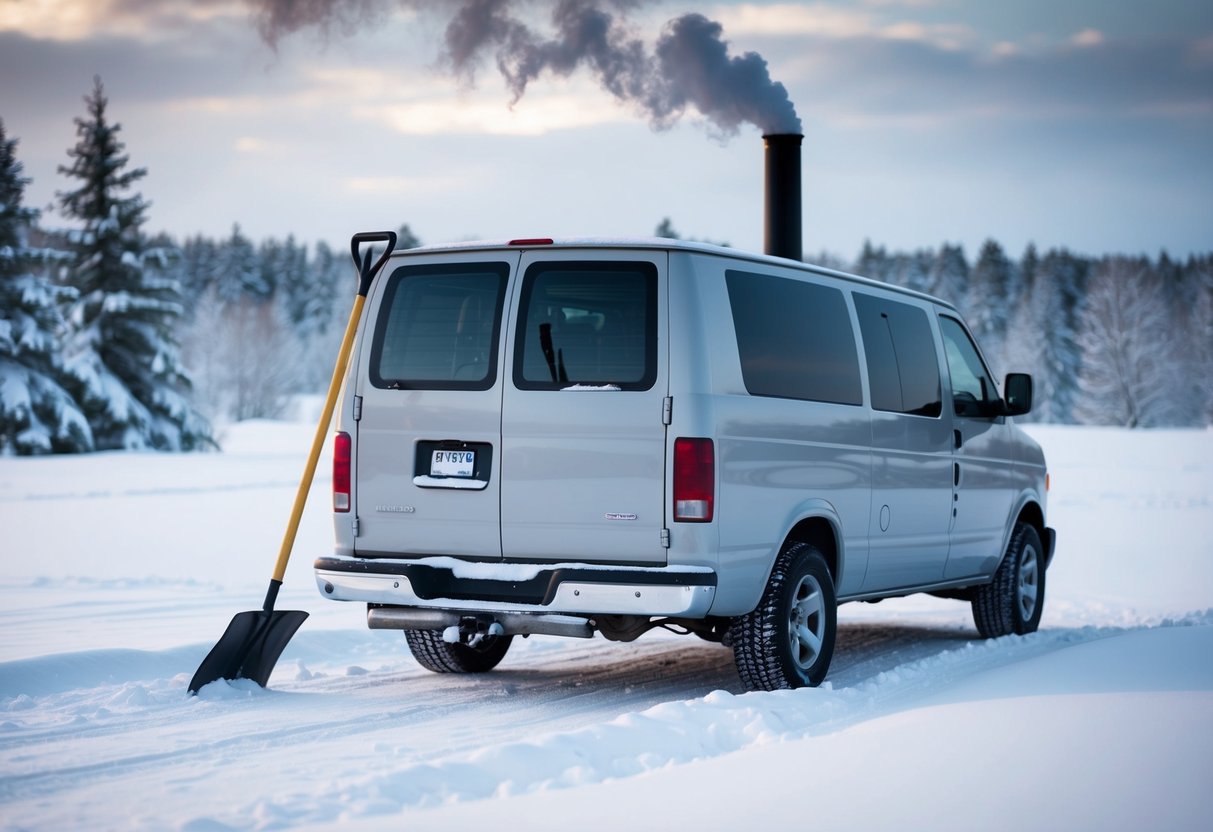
(249, 648)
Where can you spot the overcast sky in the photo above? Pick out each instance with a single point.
(1083, 123)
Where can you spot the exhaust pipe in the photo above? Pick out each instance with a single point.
(510, 623)
(783, 222)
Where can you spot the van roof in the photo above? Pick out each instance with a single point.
(662, 244)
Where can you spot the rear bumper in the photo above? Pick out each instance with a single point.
(569, 588)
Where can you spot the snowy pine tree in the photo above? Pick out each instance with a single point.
(37, 415)
(874, 262)
(405, 238)
(988, 306)
(1020, 351)
(950, 275)
(236, 273)
(1044, 335)
(1069, 272)
(913, 269)
(122, 352)
(665, 229)
(194, 270)
(330, 290)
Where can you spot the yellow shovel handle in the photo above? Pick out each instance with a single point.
(309, 471)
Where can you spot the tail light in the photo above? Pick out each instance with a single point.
(341, 471)
(694, 480)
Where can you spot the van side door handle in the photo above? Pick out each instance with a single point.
(957, 439)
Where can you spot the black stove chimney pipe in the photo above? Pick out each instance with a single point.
(782, 234)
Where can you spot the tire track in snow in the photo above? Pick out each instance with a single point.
(526, 698)
(540, 693)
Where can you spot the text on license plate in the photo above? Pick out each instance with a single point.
(453, 464)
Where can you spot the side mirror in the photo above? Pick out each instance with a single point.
(1017, 398)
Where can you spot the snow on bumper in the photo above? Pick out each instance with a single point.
(574, 588)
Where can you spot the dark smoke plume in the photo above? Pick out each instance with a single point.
(689, 67)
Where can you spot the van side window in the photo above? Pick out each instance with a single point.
(973, 391)
(794, 338)
(903, 367)
(439, 327)
(592, 324)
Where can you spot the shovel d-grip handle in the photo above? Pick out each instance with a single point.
(362, 259)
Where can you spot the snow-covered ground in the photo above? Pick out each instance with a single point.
(121, 570)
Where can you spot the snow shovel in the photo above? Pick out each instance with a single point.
(255, 639)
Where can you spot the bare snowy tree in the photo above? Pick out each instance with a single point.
(1125, 334)
(244, 358)
(1196, 353)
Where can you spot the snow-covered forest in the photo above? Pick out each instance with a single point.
(112, 338)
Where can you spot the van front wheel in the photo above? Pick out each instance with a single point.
(1014, 600)
(788, 641)
(434, 653)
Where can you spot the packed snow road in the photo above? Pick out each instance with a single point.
(120, 572)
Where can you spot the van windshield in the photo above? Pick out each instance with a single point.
(438, 327)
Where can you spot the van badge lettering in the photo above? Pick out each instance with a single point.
(396, 509)
(610, 515)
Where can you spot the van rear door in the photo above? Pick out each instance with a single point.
(429, 427)
(583, 438)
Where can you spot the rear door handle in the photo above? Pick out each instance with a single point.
(957, 439)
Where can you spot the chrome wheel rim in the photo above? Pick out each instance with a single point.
(1028, 586)
(806, 623)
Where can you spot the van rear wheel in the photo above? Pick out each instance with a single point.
(788, 641)
(434, 653)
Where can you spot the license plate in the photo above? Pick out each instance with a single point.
(453, 464)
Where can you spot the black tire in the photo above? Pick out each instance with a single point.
(788, 641)
(1015, 599)
(432, 653)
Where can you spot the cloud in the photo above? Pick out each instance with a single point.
(1087, 37)
(873, 79)
(433, 104)
(144, 20)
(52, 73)
(542, 114)
(252, 144)
(406, 186)
(821, 20)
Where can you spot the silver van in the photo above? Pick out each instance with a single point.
(587, 436)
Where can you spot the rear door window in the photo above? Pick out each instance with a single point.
(439, 326)
(903, 366)
(794, 339)
(587, 324)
